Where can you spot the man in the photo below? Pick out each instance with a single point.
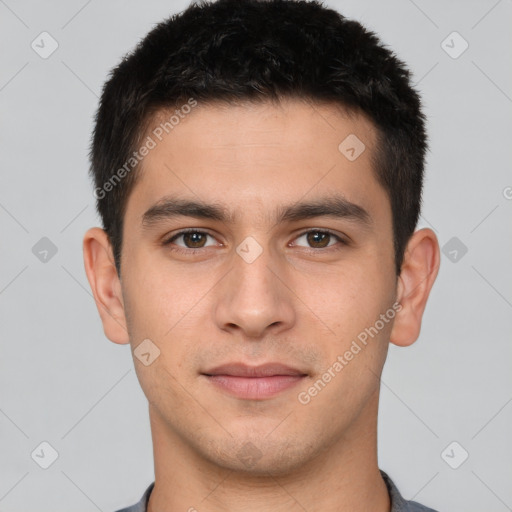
(258, 169)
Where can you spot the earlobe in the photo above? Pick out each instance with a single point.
(417, 276)
(105, 285)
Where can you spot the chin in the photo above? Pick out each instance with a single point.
(259, 455)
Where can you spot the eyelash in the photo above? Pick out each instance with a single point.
(192, 251)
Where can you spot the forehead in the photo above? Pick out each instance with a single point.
(250, 157)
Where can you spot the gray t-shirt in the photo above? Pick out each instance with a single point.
(398, 504)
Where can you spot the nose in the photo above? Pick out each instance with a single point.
(253, 299)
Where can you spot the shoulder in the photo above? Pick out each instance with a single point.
(142, 504)
(412, 506)
(398, 503)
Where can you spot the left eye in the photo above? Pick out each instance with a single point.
(319, 239)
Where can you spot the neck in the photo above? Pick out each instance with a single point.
(343, 477)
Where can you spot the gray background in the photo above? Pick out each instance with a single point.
(63, 382)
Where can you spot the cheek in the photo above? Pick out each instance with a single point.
(162, 310)
(346, 301)
(353, 358)
(158, 298)
(168, 307)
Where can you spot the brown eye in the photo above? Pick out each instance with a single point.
(319, 239)
(192, 239)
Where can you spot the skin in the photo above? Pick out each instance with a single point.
(298, 303)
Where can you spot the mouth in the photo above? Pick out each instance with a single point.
(254, 382)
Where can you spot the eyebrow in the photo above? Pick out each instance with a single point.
(332, 206)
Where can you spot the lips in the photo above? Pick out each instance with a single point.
(254, 382)
(264, 370)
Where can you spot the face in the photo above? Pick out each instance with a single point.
(251, 276)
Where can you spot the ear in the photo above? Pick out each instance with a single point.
(105, 284)
(418, 273)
